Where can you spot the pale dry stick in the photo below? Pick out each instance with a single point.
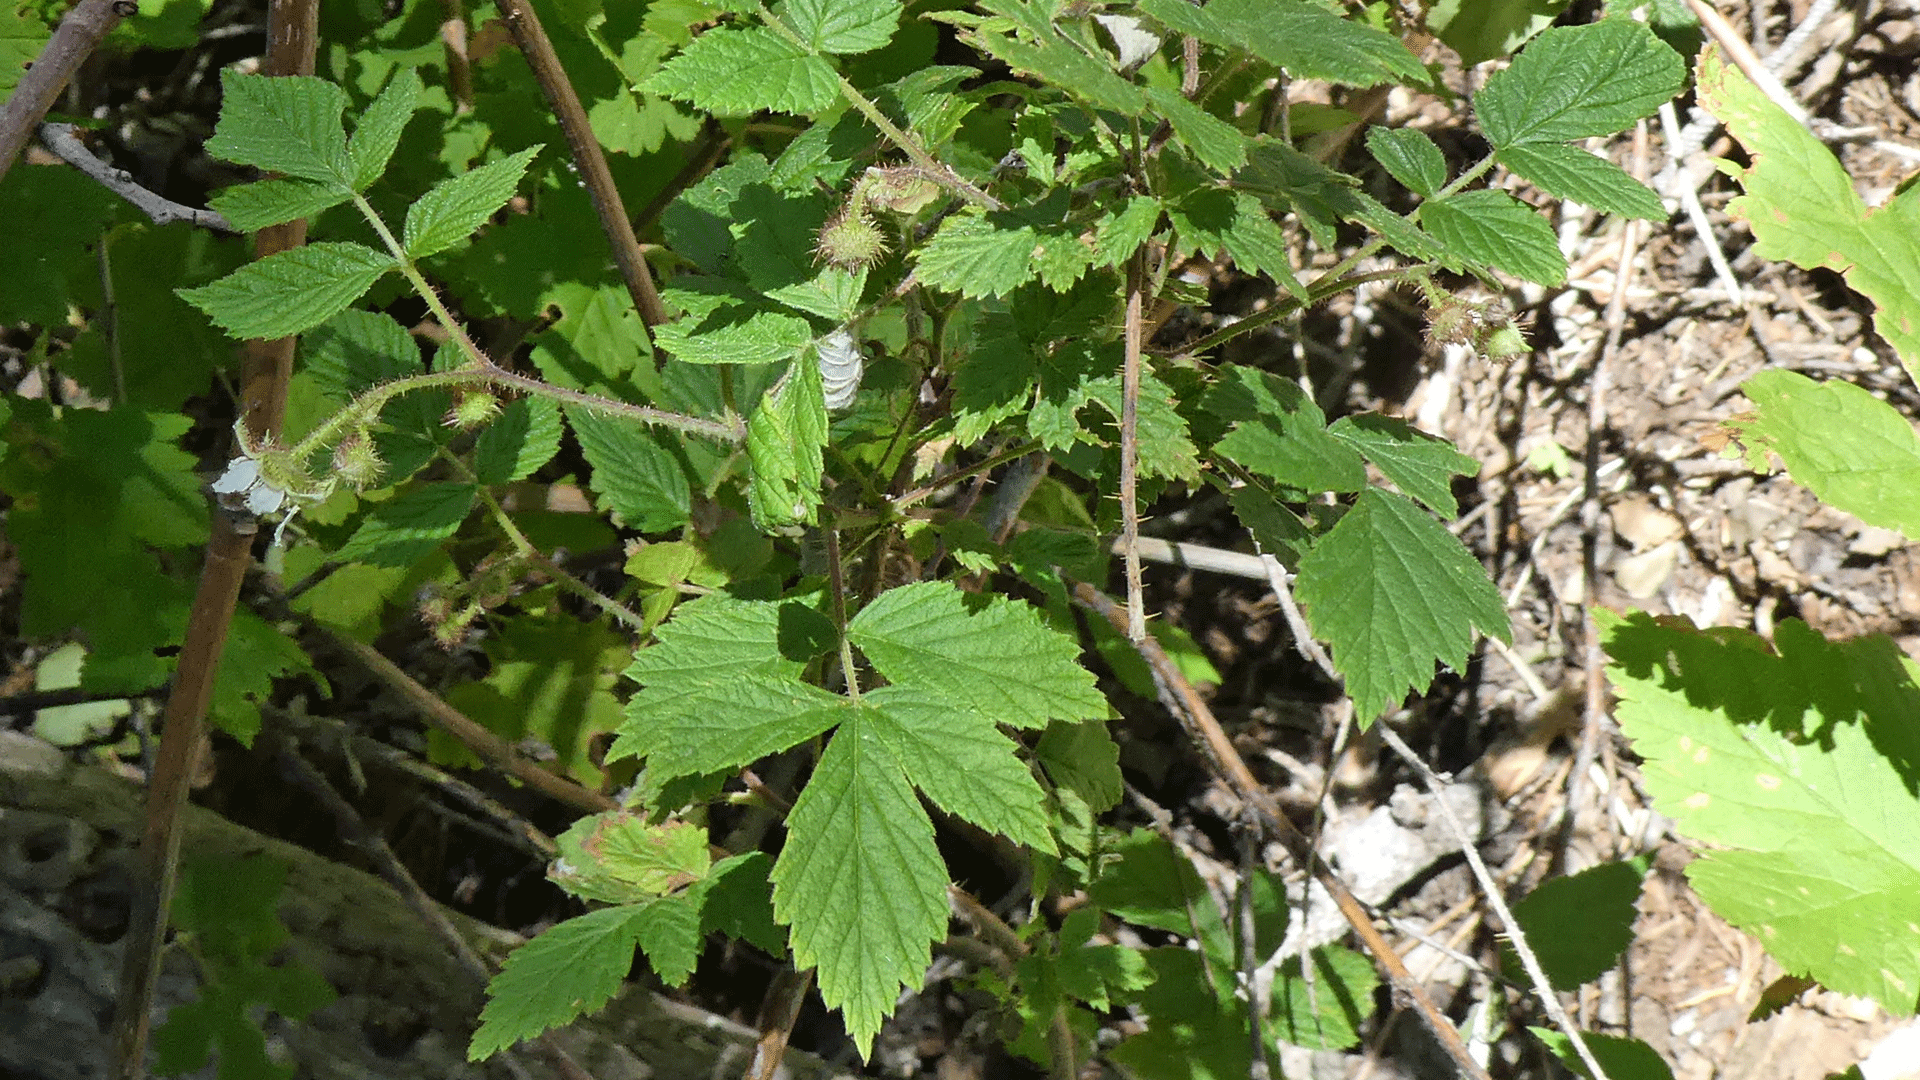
(266, 367)
(1178, 695)
(532, 41)
(1689, 196)
(65, 145)
(1748, 61)
(779, 1011)
(1130, 448)
(1542, 988)
(80, 32)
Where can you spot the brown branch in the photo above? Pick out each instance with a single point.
(266, 367)
(60, 139)
(84, 28)
(1179, 697)
(489, 747)
(533, 43)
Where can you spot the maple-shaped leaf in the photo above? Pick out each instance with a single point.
(860, 881)
(1802, 207)
(994, 657)
(718, 692)
(1853, 450)
(963, 762)
(1422, 465)
(1796, 767)
(1393, 592)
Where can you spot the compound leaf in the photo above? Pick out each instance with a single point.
(456, 208)
(1392, 592)
(1576, 82)
(1423, 466)
(844, 26)
(998, 659)
(573, 968)
(378, 131)
(1802, 208)
(860, 881)
(1796, 766)
(1411, 156)
(1854, 451)
(402, 531)
(962, 762)
(289, 124)
(292, 291)
(1279, 432)
(972, 257)
(524, 437)
(718, 692)
(252, 207)
(633, 474)
(735, 72)
(1571, 173)
(1494, 228)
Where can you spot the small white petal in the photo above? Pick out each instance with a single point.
(242, 473)
(264, 499)
(1134, 42)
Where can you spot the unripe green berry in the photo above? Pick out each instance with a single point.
(356, 463)
(851, 240)
(472, 409)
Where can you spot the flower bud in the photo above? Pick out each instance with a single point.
(472, 409)
(851, 240)
(357, 463)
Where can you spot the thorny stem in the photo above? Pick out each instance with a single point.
(547, 566)
(1130, 449)
(926, 491)
(1315, 293)
(837, 586)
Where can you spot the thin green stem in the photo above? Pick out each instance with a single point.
(539, 558)
(937, 171)
(837, 585)
(482, 368)
(1474, 172)
(987, 465)
(1315, 293)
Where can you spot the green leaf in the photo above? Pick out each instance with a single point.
(1802, 208)
(844, 27)
(550, 682)
(717, 692)
(997, 659)
(1482, 30)
(1286, 179)
(286, 124)
(1579, 926)
(1496, 229)
(1576, 82)
(1192, 1033)
(1060, 63)
(455, 209)
(1307, 40)
(292, 291)
(636, 477)
(1410, 156)
(1794, 766)
(668, 931)
(1215, 220)
(1083, 758)
(618, 858)
(252, 207)
(1343, 987)
(733, 336)
(736, 72)
(739, 903)
(1279, 432)
(574, 968)
(378, 131)
(524, 437)
(1621, 1058)
(962, 762)
(1853, 450)
(1121, 233)
(1152, 884)
(1422, 465)
(972, 257)
(859, 881)
(786, 443)
(355, 350)
(1392, 592)
(1216, 143)
(1571, 173)
(403, 530)
(21, 39)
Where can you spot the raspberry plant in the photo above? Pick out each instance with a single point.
(889, 279)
